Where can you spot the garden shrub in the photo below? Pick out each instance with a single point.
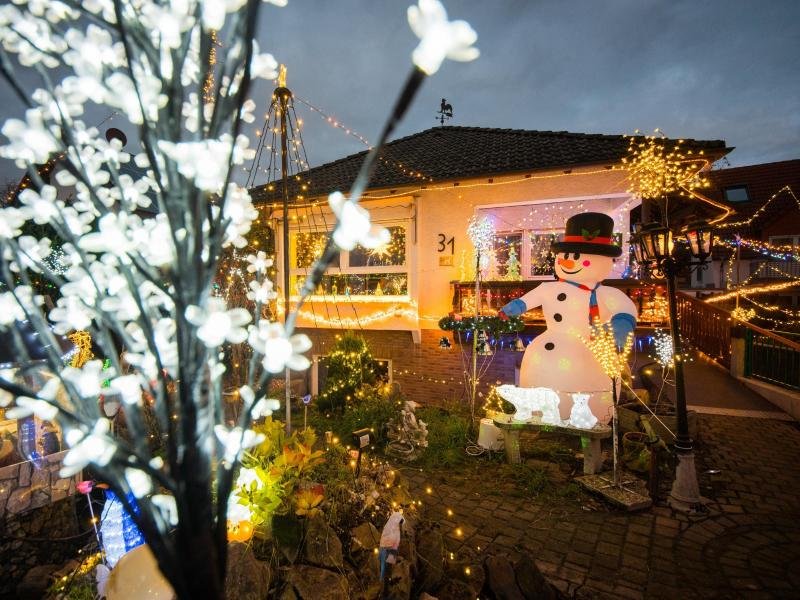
(350, 366)
(370, 406)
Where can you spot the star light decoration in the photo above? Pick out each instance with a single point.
(658, 167)
(146, 284)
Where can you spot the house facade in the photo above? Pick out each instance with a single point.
(425, 190)
(763, 231)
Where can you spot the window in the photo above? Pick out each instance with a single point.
(541, 257)
(360, 272)
(508, 255)
(785, 242)
(524, 255)
(736, 193)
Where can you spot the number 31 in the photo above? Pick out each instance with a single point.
(444, 243)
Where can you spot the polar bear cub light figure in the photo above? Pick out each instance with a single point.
(581, 416)
(530, 400)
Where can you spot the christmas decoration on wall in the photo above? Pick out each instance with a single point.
(557, 359)
(492, 323)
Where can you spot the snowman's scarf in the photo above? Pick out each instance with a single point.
(594, 309)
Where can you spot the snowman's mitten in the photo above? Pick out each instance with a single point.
(622, 324)
(514, 308)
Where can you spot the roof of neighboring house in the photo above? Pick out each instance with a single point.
(449, 153)
(762, 181)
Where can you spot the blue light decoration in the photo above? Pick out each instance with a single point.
(26, 432)
(117, 529)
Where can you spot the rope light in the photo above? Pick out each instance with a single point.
(761, 209)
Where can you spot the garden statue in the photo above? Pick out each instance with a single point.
(390, 541)
(557, 359)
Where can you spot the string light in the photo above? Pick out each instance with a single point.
(603, 346)
(761, 209)
(657, 169)
(743, 314)
(208, 84)
(758, 289)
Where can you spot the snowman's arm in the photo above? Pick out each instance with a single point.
(524, 303)
(623, 315)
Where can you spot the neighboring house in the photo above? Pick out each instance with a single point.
(425, 189)
(765, 199)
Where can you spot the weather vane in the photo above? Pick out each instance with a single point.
(445, 112)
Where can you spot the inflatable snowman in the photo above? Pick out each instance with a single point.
(558, 359)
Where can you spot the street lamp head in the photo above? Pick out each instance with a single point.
(653, 243)
(700, 236)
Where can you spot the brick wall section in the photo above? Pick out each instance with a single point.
(425, 372)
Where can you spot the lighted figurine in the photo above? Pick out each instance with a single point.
(390, 541)
(580, 416)
(558, 359)
(530, 400)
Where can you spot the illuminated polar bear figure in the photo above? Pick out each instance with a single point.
(558, 359)
(530, 400)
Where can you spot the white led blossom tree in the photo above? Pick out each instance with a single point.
(143, 287)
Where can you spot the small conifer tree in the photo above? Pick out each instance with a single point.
(350, 365)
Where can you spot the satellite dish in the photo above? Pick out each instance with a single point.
(112, 133)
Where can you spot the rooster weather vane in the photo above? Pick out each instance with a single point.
(445, 112)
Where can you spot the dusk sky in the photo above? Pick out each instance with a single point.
(716, 69)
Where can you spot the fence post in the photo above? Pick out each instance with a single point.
(739, 351)
(748, 352)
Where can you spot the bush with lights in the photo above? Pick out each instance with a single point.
(350, 366)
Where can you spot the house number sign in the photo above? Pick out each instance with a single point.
(444, 243)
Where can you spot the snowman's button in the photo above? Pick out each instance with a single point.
(562, 296)
(549, 346)
(557, 317)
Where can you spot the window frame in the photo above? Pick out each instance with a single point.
(740, 186)
(344, 267)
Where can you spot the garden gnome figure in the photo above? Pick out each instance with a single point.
(390, 541)
(558, 359)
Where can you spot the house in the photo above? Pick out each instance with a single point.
(758, 244)
(766, 216)
(425, 189)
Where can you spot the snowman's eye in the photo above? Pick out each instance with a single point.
(576, 256)
(566, 256)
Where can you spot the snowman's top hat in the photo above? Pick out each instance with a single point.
(590, 233)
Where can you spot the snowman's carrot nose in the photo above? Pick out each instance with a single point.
(566, 263)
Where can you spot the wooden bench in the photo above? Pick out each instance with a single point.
(590, 440)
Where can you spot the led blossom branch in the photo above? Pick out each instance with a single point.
(142, 286)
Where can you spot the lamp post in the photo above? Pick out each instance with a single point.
(653, 246)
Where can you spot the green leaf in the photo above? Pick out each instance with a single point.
(589, 235)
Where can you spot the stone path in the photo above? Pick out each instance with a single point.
(747, 546)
